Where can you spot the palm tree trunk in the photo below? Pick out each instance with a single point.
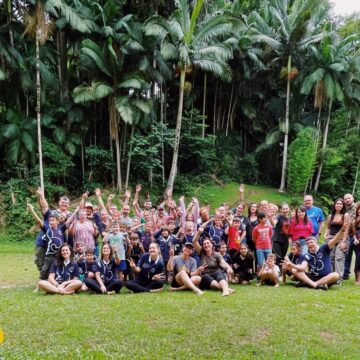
(177, 131)
(62, 64)
(229, 110)
(286, 136)
(38, 108)
(129, 157)
(162, 134)
(204, 105)
(326, 131)
(214, 111)
(356, 176)
(118, 160)
(82, 159)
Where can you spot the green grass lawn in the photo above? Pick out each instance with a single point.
(216, 195)
(255, 322)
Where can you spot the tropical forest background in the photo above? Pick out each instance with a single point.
(174, 94)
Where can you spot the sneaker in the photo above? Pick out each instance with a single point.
(321, 287)
(346, 277)
(299, 284)
(338, 282)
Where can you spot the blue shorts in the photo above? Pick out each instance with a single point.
(121, 266)
(261, 255)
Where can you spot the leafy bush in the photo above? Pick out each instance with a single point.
(302, 156)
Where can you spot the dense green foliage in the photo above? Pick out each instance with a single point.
(112, 72)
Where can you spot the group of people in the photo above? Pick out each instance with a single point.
(102, 248)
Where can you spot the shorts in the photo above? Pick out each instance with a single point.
(39, 257)
(174, 283)
(313, 277)
(121, 266)
(48, 261)
(207, 279)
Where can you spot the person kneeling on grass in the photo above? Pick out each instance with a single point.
(185, 272)
(320, 275)
(106, 281)
(211, 265)
(150, 270)
(269, 273)
(64, 274)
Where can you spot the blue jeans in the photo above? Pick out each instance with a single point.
(261, 255)
(348, 258)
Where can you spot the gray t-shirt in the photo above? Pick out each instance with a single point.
(213, 262)
(180, 264)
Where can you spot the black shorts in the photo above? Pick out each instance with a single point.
(207, 279)
(174, 283)
(313, 277)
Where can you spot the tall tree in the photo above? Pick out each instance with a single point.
(289, 28)
(187, 40)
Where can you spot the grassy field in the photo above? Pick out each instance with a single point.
(216, 195)
(255, 322)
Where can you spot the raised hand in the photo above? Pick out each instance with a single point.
(85, 195)
(138, 188)
(39, 191)
(242, 188)
(97, 192)
(111, 196)
(127, 193)
(30, 206)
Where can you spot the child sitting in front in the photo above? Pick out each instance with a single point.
(226, 256)
(243, 265)
(269, 273)
(87, 268)
(295, 257)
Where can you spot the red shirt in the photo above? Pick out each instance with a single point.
(234, 238)
(300, 230)
(262, 236)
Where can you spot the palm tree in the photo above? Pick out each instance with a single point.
(189, 41)
(289, 28)
(331, 76)
(126, 95)
(17, 136)
(38, 25)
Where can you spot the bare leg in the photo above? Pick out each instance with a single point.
(328, 279)
(183, 279)
(74, 286)
(301, 276)
(48, 287)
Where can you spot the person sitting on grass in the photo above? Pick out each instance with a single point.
(227, 258)
(243, 265)
(150, 270)
(269, 273)
(295, 257)
(106, 281)
(87, 267)
(211, 265)
(186, 274)
(64, 274)
(318, 259)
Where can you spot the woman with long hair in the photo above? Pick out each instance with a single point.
(63, 275)
(211, 267)
(149, 270)
(300, 228)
